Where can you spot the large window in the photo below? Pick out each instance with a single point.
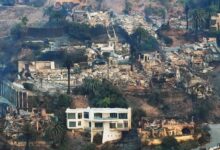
(79, 115)
(123, 116)
(71, 116)
(79, 123)
(113, 115)
(112, 125)
(72, 124)
(86, 115)
(97, 115)
(98, 125)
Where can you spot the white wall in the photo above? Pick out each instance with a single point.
(110, 135)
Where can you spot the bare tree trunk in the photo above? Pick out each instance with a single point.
(27, 147)
(108, 68)
(187, 21)
(68, 90)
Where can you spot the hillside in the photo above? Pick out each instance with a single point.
(137, 6)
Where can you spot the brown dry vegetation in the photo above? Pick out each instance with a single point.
(12, 15)
(141, 103)
(178, 36)
(79, 102)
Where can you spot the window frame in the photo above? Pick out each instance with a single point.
(114, 115)
(114, 125)
(70, 123)
(86, 115)
(100, 123)
(71, 114)
(78, 115)
(98, 115)
(123, 115)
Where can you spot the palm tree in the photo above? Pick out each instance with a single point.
(106, 57)
(187, 15)
(24, 20)
(68, 65)
(105, 102)
(91, 85)
(55, 132)
(136, 40)
(29, 134)
(57, 16)
(198, 20)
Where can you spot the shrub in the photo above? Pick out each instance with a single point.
(154, 98)
(189, 145)
(84, 32)
(202, 110)
(17, 31)
(170, 143)
(141, 40)
(137, 114)
(97, 139)
(28, 86)
(89, 146)
(167, 40)
(102, 93)
(128, 7)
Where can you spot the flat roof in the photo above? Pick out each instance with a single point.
(100, 110)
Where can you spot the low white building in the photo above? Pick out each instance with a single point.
(215, 22)
(109, 122)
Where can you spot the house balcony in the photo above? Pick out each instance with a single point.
(107, 119)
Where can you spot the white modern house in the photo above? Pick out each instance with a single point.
(109, 122)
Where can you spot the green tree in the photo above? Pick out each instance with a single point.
(63, 101)
(89, 146)
(137, 114)
(141, 40)
(170, 143)
(56, 16)
(80, 31)
(105, 102)
(24, 20)
(106, 56)
(202, 110)
(55, 132)
(91, 86)
(97, 139)
(155, 98)
(189, 145)
(102, 93)
(128, 7)
(29, 86)
(29, 134)
(198, 20)
(68, 64)
(17, 31)
(186, 10)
